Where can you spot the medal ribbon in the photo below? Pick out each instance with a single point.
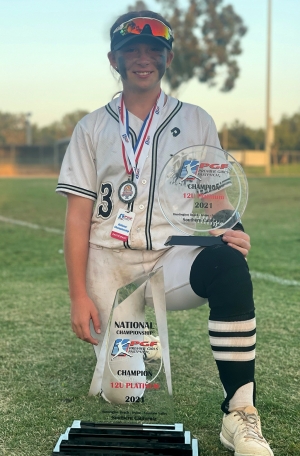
(134, 159)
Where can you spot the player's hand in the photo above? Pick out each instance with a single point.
(238, 240)
(82, 311)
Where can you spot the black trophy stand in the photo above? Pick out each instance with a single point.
(102, 439)
(197, 241)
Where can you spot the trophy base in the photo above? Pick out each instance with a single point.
(199, 241)
(102, 439)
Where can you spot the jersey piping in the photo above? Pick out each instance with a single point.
(115, 116)
(153, 174)
(112, 112)
(83, 191)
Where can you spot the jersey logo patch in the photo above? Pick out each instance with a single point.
(175, 131)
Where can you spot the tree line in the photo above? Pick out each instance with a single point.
(238, 135)
(207, 44)
(241, 137)
(13, 128)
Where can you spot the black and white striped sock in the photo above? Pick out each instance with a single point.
(233, 340)
(221, 274)
(233, 347)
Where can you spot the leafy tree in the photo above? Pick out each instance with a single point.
(207, 41)
(12, 128)
(287, 133)
(138, 6)
(242, 137)
(70, 120)
(59, 129)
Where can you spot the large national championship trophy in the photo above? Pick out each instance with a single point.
(202, 192)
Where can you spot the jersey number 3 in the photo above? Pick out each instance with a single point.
(106, 206)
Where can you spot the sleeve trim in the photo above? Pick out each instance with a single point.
(73, 189)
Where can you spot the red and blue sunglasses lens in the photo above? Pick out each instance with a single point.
(136, 26)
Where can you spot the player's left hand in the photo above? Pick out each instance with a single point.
(238, 240)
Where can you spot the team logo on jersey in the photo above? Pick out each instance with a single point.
(189, 170)
(125, 137)
(147, 140)
(175, 131)
(157, 110)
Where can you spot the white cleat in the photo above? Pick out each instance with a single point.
(241, 433)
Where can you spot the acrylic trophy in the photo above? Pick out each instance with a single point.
(136, 413)
(203, 191)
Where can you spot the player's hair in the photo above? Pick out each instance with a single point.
(132, 14)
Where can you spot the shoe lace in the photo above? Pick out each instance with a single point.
(251, 427)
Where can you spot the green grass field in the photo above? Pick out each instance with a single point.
(286, 170)
(46, 371)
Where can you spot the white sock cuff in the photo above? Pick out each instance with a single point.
(242, 397)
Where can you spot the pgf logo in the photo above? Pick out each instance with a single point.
(189, 170)
(214, 165)
(125, 217)
(125, 347)
(120, 348)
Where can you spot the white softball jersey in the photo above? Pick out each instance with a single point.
(93, 168)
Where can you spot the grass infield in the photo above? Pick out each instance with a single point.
(46, 370)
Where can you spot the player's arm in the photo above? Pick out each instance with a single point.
(76, 247)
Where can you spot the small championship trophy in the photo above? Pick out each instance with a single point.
(202, 192)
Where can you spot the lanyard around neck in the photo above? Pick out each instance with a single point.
(134, 158)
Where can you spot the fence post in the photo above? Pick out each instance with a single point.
(55, 156)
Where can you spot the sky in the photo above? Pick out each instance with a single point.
(53, 60)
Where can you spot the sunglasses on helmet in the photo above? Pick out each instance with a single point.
(143, 26)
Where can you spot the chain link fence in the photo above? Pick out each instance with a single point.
(36, 160)
(41, 160)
